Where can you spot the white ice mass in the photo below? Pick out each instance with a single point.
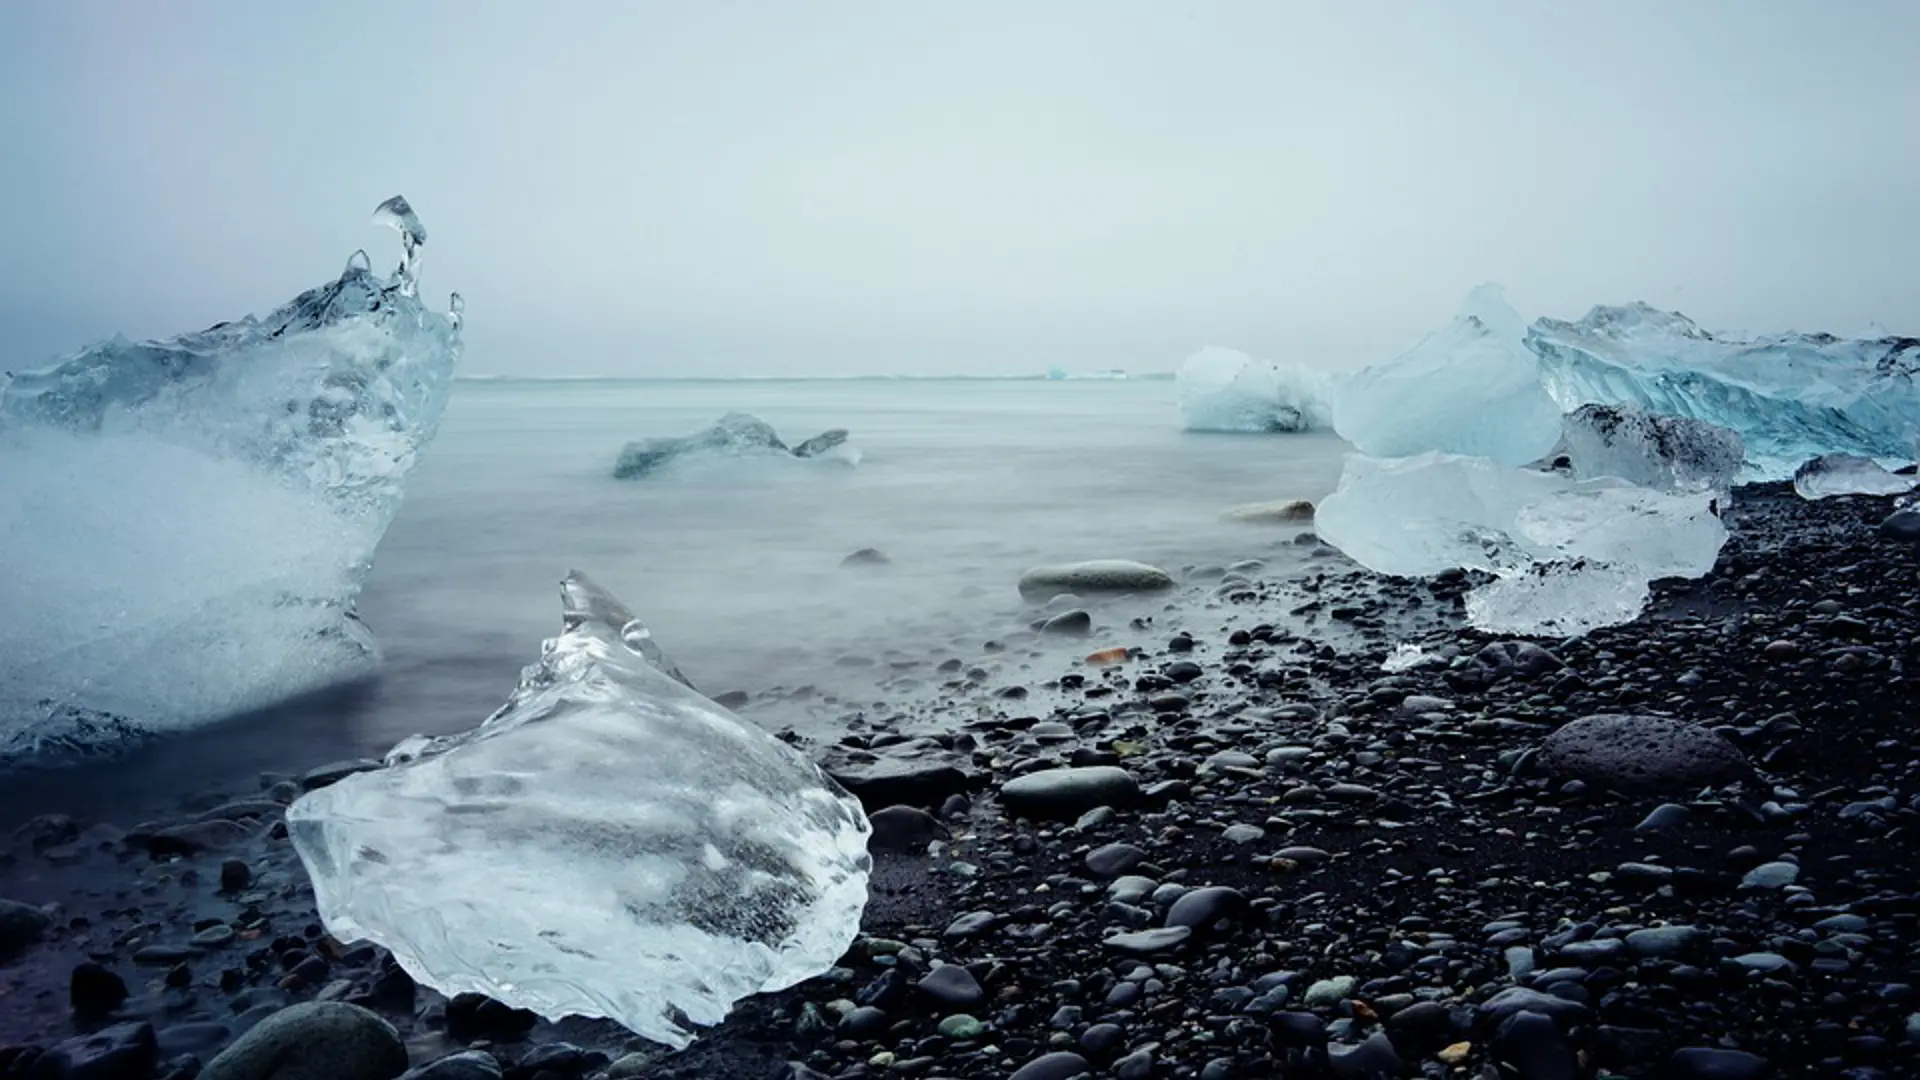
(609, 843)
(1672, 453)
(186, 523)
(1227, 390)
(1471, 388)
(1846, 474)
(1567, 556)
(1791, 397)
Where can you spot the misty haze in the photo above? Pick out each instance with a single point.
(626, 541)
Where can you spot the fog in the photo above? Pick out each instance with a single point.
(853, 187)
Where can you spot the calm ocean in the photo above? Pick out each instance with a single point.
(735, 564)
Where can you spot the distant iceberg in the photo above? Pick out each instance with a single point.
(1225, 390)
(1791, 397)
(186, 523)
(609, 843)
(734, 435)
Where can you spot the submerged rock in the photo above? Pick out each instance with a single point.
(1278, 512)
(1096, 576)
(316, 1040)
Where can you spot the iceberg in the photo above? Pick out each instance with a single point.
(1225, 390)
(1830, 475)
(186, 523)
(737, 435)
(609, 843)
(1791, 397)
(1566, 556)
(1672, 453)
(1471, 388)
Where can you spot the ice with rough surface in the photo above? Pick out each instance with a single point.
(1471, 388)
(1567, 556)
(186, 523)
(734, 435)
(1673, 453)
(1227, 390)
(1790, 396)
(609, 843)
(1846, 474)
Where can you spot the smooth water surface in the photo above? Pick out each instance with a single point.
(735, 563)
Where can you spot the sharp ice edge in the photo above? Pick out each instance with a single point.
(1470, 388)
(609, 843)
(1224, 390)
(413, 237)
(1830, 475)
(1567, 556)
(735, 435)
(186, 522)
(1791, 397)
(1672, 453)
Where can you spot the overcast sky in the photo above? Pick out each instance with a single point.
(842, 187)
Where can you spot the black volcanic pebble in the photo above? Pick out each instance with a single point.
(1709, 1063)
(952, 986)
(1059, 1065)
(476, 1016)
(905, 830)
(93, 990)
(235, 875)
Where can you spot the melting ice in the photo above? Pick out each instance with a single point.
(186, 523)
(1228, 391)
(610, 843)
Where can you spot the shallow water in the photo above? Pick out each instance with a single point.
(735, 564)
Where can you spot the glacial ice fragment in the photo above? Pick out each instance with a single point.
(1672, 453)
(1790, 396)
(1566, 556)
(1471, 388)
(186, 523)
(735, 434)
(1846, 474)
(1225, 390)
(609, 843)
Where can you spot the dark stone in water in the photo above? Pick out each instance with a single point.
(94, 991)
(903, 830)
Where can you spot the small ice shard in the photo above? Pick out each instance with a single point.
(1471, 388)
(609, 843)
(1846, 474)
(186, 523)
(1672, 453)
(1789, 396)
(1226, 390)
(413, 236)
(735, 434)
(1567, 556)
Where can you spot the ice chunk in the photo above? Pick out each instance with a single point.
(1672, 453)
(1227, 390)
(1567, 556)
(1845, 474)
(1791, 396)
(1471, 388)
(735, 434)
(186, 523)
(608, 844)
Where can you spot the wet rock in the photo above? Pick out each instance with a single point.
(1077, 623)
(322, 1040)
(1068, 793)
(21, 925)
(1533, 1047)
(1059, 1065)
(467, 1065)
(1099, 576)
(1710, 1063)
(920, 774)
(1149, 942)
(94, 991)
(1205, 907)
(1640, 753)
(1114, 860)
(235, 875)
(1664, 818)
(952, 987)
(1373, 1059)
(1902, 525)
(120, 1052)
(1278, 512)
(866, 557)
(903, 830)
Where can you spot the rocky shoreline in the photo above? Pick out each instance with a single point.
(1234, 851)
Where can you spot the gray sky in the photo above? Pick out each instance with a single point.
(840, 187)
